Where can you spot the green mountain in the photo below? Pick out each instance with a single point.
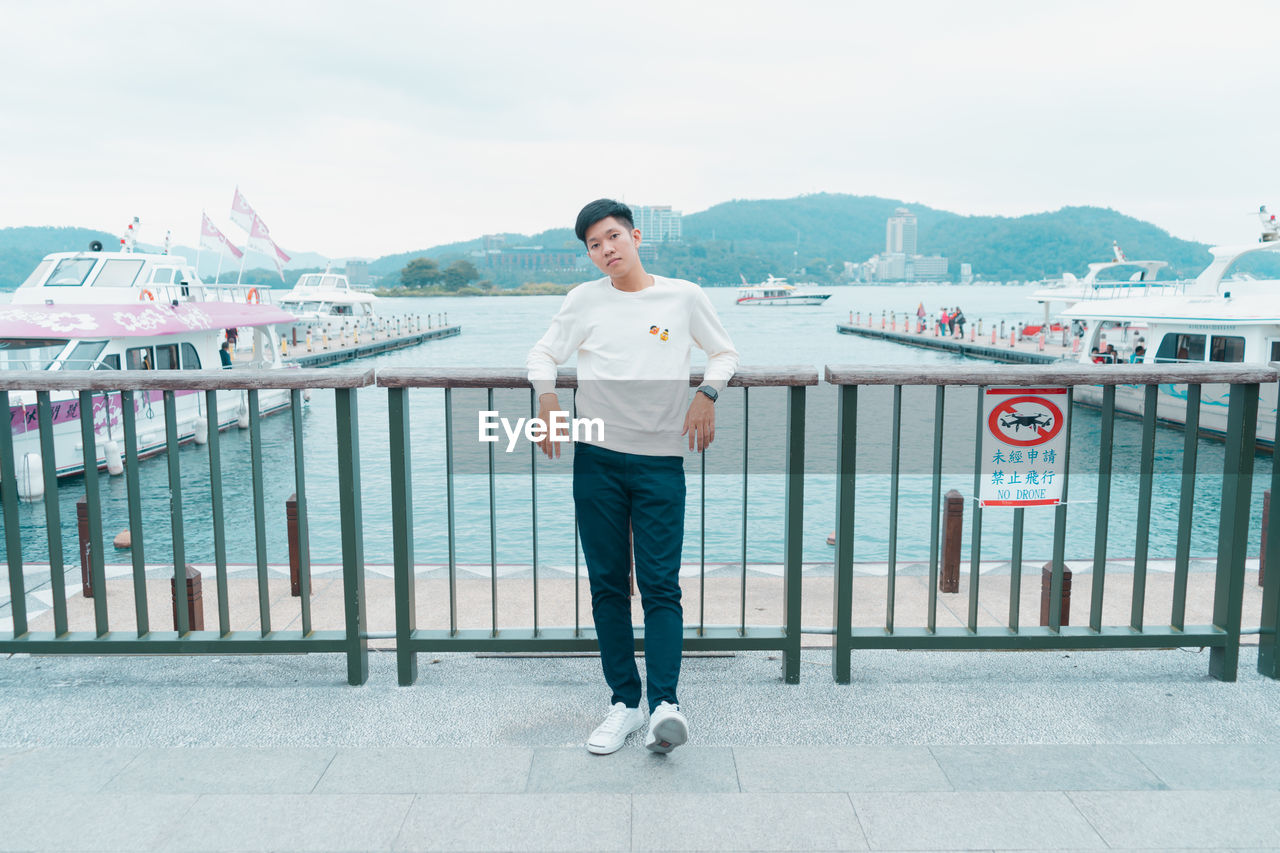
(22, 248)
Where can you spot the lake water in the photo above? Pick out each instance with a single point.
(497, 332)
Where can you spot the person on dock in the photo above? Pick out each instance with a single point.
(224, 353)
(633, 333)
(957, 321)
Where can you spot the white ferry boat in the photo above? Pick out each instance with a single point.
(776, 292)
(323, 297)
(1211, 319)
(125, 310)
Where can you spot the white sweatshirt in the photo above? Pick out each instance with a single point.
(633, 359)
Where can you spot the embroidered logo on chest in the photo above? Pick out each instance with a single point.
(661, 333)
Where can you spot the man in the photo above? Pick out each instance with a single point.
(632, 333)
(225, 354)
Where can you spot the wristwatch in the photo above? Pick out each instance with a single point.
(711, 393)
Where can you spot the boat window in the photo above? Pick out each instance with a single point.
(167, 357)
(366, 308)
(341, 309)
(139, 358)
(110, 362)
(329, 281)
(1226, 348)
(71, 272)
(38, 273)
(1175, 347)
(83, 355)
(1275, 351)
(118, 274)
(162, 275)
(190, 359)
(28, 353)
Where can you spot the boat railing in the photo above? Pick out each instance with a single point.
(1127, 289)
(876, 444)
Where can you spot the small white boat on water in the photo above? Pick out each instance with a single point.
(324, 297)
(777, 292)
(99, 310)
(1211, 319)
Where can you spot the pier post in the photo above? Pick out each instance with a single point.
(882, 320)
(952, 530)
(295, 544)
(893, 321)
(82, 527)
(1046, 584)
(194, 601)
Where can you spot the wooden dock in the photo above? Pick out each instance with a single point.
(1025, 351)
(336, 350)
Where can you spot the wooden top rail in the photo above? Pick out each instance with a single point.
(449, 377)
(1053, 374)
(182, 380)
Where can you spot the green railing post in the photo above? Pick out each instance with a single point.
(53, 517)
(93, 498)
(846, 491)
(402, 535)
(1233, 528)
(793, 544)
(13, 530)
(352, 536)
(133, 488)
(1269, 621)
(172, 448)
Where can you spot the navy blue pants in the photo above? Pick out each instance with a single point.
(614, 491)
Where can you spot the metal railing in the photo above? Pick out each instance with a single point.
(1221, 634)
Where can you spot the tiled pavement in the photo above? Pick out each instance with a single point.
(924, 751)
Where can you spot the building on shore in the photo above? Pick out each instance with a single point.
(658, 223)
(497, 255)
(901, 260)
(357, 272)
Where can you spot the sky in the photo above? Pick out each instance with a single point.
(363, 129)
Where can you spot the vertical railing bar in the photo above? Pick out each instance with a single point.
(133, 488)
(352, 536)
(1233, 528)
(702, 543)
(1060, 526)
(1106, 440)
(533, 506)
(846, 503)
(935, 503)
(259, 511)
(93, 498)
(402, 533)
(215, 505)
(793, 544)
(1146, 474)
(53, 518)
(577, 568)
(1186, 507)
(183, 621)
(1015, 569)
(493, 539)
(894, 458)
(448, 501)
(12, 529)
(1269, 575)
(300, 502)
(975, 549)
(746, 440)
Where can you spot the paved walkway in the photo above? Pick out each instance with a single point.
(924, 751)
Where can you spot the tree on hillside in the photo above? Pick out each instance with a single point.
(459, 274)
(420, 272)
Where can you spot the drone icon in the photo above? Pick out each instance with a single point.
(1033, 422)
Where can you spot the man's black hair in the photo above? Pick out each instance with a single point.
(602, 208)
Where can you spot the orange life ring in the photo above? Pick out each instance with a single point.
(252, 296)
(146, 295)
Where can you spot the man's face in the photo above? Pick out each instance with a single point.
(612, 247)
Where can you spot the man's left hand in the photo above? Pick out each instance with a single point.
(700, 422)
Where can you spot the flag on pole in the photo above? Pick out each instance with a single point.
(212, 238)
(260, 241)
(241, 213)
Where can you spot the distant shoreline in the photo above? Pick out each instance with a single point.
(538, 289)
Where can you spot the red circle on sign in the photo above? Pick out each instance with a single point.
(1042, 435)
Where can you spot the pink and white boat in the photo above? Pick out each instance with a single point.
(127, 310)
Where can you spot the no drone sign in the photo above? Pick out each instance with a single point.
(1024, 446)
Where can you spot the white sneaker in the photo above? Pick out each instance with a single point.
(667, 728)
(612, 733)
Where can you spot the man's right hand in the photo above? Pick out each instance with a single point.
(548, 404)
